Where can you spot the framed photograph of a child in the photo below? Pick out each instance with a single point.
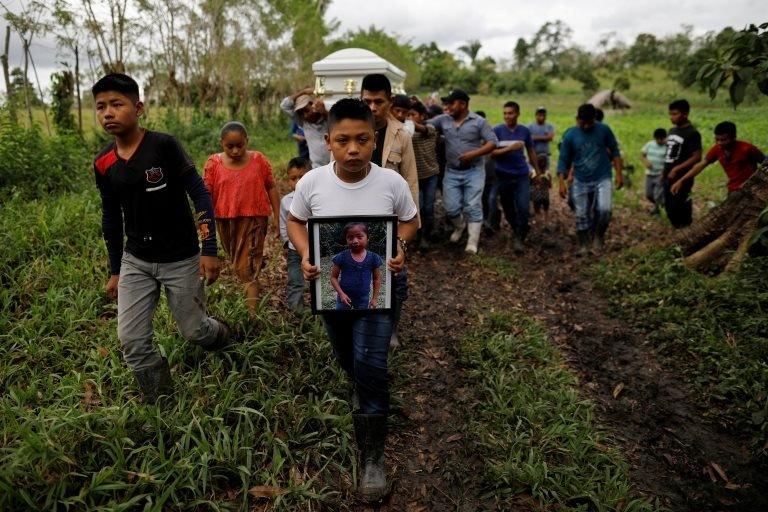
(352, 253)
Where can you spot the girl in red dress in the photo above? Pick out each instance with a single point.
(243, 191)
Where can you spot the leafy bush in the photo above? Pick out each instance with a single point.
(520, 82)
(622, 83)
(33, 165)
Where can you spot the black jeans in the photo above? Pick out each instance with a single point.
(679, 207)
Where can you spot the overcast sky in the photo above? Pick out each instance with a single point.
(499, 23)
(496, 23)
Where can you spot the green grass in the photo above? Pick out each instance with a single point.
(270, 412)
(501, 266)
(712, 329)
(73, 433)
(536, 434)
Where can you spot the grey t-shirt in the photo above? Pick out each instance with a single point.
(536, 129)
(314, 133)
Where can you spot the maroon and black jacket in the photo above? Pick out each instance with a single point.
(148, 195)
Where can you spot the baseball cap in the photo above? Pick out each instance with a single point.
(301, 102)
(456, 94)
(541, 110)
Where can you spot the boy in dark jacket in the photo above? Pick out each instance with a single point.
(144, 179)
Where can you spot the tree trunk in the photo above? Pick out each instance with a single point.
(26, 84)
(9, 102)
(708, 243)
(77, 88)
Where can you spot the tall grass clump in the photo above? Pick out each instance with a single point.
(74, 435)
(33, 165)
(713, 329)
(537, 436)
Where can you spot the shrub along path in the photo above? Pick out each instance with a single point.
(486, 338)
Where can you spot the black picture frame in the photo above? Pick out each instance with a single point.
(325, 241)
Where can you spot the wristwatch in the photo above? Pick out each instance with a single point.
(403, 245)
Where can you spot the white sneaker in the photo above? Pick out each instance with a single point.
(474, 229)
(458, 228)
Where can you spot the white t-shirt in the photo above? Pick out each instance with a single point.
(321, 193)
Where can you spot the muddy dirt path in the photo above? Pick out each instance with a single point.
(676, 455)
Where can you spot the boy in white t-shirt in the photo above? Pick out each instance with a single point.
(351, 185)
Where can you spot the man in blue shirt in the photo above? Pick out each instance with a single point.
(590, 148)
(543, 133)
(467, 138)
(512, 174)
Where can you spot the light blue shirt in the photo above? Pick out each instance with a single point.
(471, 134)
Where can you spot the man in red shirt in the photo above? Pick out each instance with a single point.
(738, 158)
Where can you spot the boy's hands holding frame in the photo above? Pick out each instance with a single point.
(297, 233)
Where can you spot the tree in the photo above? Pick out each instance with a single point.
(710, 242)
(437, 66)
(645, 50)
(10, 100)
(28, 23)
(69, 33)
(548, 43)
(675, 49)
(110, 32)
(522, 52)
(740, 59)
(63, 99)
(471, 49)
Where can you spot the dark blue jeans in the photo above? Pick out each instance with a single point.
(427, 191)
(515, 194)
(361, 345)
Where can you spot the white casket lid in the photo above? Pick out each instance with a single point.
(355, 60)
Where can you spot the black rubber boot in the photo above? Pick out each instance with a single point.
(223, 338)
(371, 434)
(599, 241)
(517, 244)
(154, 381)
(583, 242)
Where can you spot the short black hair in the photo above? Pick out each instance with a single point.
(298, 162)
(481, 113)
(659, 133)
(726, 128)
(351, 225)
(599, 114)
(419, 107)
(513, 104)
(117, 82)
(401, 101)
(349, 108)
(376, 83)
(681, 106)
(233, 126)
(586, 112)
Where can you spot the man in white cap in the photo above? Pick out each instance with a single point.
(311, 116)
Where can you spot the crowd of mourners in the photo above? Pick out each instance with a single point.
(377, 154)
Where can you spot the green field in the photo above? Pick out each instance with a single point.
(272, 412)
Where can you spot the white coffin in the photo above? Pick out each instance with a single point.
(340, 74)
